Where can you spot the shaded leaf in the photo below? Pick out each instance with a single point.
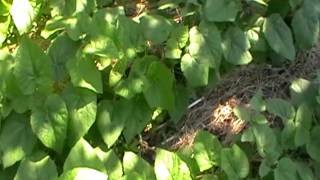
(286, 169)
(220, 11)
(279, 36)
(159, 90)
(236, 46)
(234, 162)
(16, 139)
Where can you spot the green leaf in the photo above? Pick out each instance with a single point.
(83, 155)
(33, 68)
(78, 25)
(4, 27)
(313, 147)
(266, 141)
(181, 96)
(138, 119)
(306, 26)
(304, 171)
(303, 124)
(82, 107)
(288, 135)
(168, 166)
(286, 169)
(84, 73)
(159, 90)
(205, 44)
(83, 173)
(281, 108)
(295, 3)
(23, 15)
(76, 6)
(102, 46)
(220, 11)
(111, 162)
(133, 163)
(279, 36)
(16, 139)
(111, 119)
(104, 21)
(264, 169)
(43, 169)
(234, 162)
(249, 115)
(236, 47)
(257, 102)
(61, 51)
(156, 28)
(177, 40)
(19, 102)
(4, 8)
(50, 122)
(206, 150)
(196, 74)
(130, 36)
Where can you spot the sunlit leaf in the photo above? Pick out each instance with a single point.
(168, 166)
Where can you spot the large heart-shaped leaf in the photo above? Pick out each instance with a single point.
(82, 108)
(159, 90)
(206, 150)
(50, 122)
(33, 69)
(286, 169)
(279, 36)
(111, 119)
(234, 162)
(196, 74)
(156, 28)
(61, 51)
(139, 118)
(205, 44)
(306, 26)
(236, 46)
(84, 73)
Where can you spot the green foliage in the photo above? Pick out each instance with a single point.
(81, 80)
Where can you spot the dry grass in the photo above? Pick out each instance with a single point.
(215, 112)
